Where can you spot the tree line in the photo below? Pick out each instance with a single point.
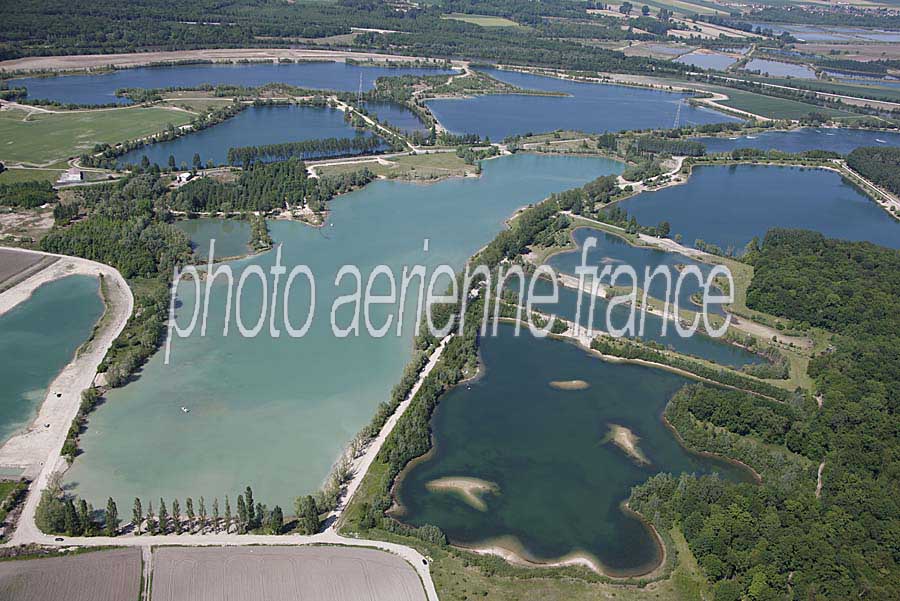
(305, 149)
(107, 156)
(659, 145)
(646, 351)
(61, 513)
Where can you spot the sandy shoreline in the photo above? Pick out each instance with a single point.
(511, 549)
(37, 449)
(576, 283)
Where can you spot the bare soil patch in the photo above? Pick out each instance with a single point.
(283, 574)
(96, 576)
(16, 266)
(24, 223)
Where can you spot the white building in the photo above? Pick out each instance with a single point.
(73, 174)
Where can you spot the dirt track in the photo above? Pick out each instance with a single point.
(89, 61)
(97, 576)
(282, 574)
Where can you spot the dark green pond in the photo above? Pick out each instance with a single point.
(232, 236)
(560, 486)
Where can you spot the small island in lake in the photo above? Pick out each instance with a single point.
(470, 490)
(626, 440)
(570, 385)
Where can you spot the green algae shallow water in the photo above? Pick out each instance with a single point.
(232, 236)
(560, 485)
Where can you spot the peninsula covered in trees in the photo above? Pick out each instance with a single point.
(266, 187)
(783, 536)
(878, 163)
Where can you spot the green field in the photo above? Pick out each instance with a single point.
(414, 167)
(684, 7)
(846, 89)
(46, 137)
(775, 108)
(14, 175)
(482, 20)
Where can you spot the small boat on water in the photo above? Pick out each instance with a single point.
(185, 410)
(880, 141)
(751, 137)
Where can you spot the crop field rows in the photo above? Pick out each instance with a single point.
(97, 576)
(282, 574)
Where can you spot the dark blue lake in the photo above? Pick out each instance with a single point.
(707, 60)
(780, 69)
(807, 138)
(589, 107)
(397, 115)
(254, 126)
(101, 88)
(729, 205)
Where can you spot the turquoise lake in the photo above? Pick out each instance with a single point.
(842, 140)
(729, 205)
(560, 482)
(275, 413)
(254, 126)
(38, 338)
(101, 88)
(588, 107)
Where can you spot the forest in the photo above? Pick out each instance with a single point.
(878, 164)
(781, 539)
(57, 27)
(26, 195)
(655, 144)
(264, 187)
(122, 229)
